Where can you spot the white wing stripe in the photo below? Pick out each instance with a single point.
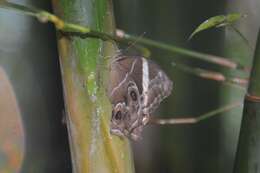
(145, 80)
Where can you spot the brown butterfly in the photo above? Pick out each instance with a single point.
(136, 88)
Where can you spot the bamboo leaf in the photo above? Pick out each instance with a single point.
(217, 21)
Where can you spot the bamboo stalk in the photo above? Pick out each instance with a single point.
(84, 70)
(248, 152)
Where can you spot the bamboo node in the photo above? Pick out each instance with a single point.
(252, 98)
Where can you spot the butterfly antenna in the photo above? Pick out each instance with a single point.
(133, 43)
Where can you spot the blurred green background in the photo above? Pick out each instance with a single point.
(30, 73)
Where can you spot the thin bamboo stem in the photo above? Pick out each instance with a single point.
(194, 120)
(182, 51)
(237, 82)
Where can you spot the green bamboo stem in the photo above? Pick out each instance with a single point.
(120, 36)
(182, 51)
(84, 72)
(248, 151)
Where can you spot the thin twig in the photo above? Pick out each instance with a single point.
(241, 35)
(83, 31)
(193, 120)
(182, 51)
(212, 75)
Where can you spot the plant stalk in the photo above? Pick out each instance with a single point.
(248, 151)
(84, 72)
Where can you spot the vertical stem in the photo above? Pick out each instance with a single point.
(248, 152)
(84, 72)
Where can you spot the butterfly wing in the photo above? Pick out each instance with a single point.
(136, 87)
(159, 87)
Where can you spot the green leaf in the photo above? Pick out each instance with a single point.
(217, 21)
